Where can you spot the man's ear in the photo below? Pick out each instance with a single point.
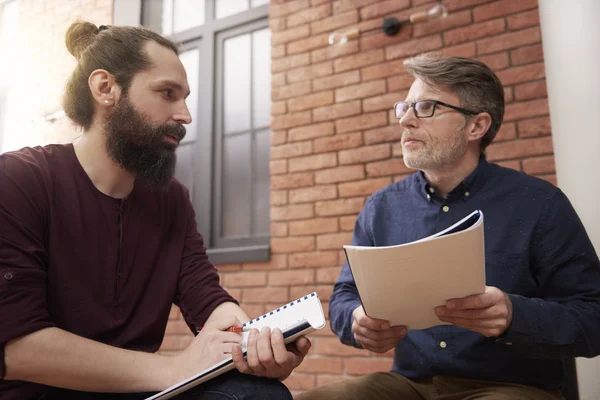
(104, 88)
(478, 126)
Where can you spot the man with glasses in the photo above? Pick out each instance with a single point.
(542, 302)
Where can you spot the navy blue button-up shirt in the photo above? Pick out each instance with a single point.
(536, 250)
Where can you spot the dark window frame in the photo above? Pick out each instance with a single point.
(219, 135)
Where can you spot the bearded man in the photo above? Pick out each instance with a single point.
(98, 240)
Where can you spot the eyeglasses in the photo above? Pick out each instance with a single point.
(425, 108)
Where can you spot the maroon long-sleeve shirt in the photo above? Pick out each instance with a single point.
(103, 268)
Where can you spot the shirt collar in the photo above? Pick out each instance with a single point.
(467, 188)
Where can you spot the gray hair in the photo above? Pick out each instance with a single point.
(477, 87)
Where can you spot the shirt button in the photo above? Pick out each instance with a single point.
(8, 276)
(445, 208)
(443, 344)
(467, 194)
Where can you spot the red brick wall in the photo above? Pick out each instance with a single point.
(335, 140)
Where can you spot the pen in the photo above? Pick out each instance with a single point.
(236, 329)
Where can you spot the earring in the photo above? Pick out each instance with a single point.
(105, 101)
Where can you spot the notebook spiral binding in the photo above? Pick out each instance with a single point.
(291, 304)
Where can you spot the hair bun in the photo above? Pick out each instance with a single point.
(80, 36)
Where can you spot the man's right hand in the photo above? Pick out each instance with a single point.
(375, 334)
(210, 346)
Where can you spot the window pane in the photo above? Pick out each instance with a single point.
(236, 187)
(187, 14)
(256, 3)
(225, 8)
(261, 77)
(237, 84)
(172, 16)
(261, 205)
(167, 17)
(184, 169)
(191, 61)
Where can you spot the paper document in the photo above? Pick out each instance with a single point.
(404, 283)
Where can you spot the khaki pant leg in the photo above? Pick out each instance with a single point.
(450, 388)
(376, 386)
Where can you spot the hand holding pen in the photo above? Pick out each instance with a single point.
(236, 329)
(213, 344)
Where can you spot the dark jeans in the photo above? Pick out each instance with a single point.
(230, 386)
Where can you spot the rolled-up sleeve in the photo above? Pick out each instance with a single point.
(198, 291)
(23, 254)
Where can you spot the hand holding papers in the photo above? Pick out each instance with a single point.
(403, 284)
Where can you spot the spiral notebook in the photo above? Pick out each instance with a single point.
(297, 318)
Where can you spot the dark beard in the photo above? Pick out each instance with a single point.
(139, 147)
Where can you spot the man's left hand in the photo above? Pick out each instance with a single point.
(489, 313)
(268, 355)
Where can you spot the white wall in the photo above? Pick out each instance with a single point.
(9, 12)
(127, 12)
(571, 43)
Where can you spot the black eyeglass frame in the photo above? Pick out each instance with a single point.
(412, 104)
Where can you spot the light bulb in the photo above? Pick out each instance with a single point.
(335, 37)
(433, 12)
(341, 38)
(437, 11)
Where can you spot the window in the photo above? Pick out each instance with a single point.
(224, 159)
(172, 16)
(225, 8)
(243, 138)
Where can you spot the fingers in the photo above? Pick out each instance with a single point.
(491, 296)
(252, 353)
(302, 346)
(496, 311)
(376, 346)
(266, 350)
(378, 341)
(267, 354)
(281, 356)
(264, 358)
(394, 332)
(238, 360)
(368, 322)
(488, 313)
(288, 358)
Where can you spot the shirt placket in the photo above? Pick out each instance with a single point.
(446, 216)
